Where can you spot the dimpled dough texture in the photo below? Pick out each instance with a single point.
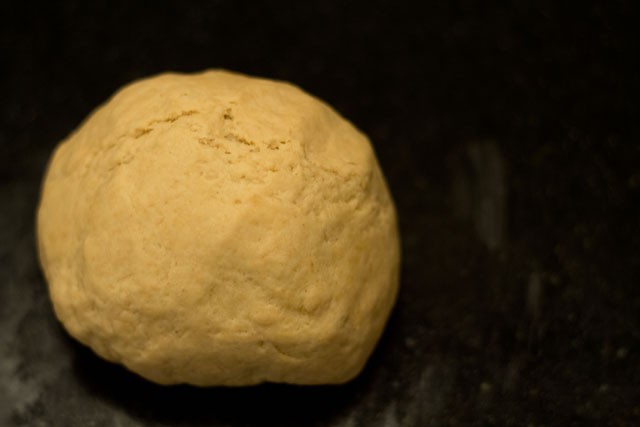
(218, 229)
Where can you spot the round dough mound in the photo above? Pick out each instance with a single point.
(218, 229)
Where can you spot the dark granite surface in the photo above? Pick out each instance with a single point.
(510, 139)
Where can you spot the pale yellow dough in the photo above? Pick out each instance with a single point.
(219, 229)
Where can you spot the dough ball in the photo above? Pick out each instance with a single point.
(218, 229)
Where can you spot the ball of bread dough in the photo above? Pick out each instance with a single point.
(219, 229)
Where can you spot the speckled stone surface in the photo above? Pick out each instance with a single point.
(510, 140)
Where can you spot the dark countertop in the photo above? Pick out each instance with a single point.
(510, 140)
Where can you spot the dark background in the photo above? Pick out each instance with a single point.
(509, 137)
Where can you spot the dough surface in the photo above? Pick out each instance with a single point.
(219, 229)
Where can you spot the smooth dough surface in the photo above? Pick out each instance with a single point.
(219, 229)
